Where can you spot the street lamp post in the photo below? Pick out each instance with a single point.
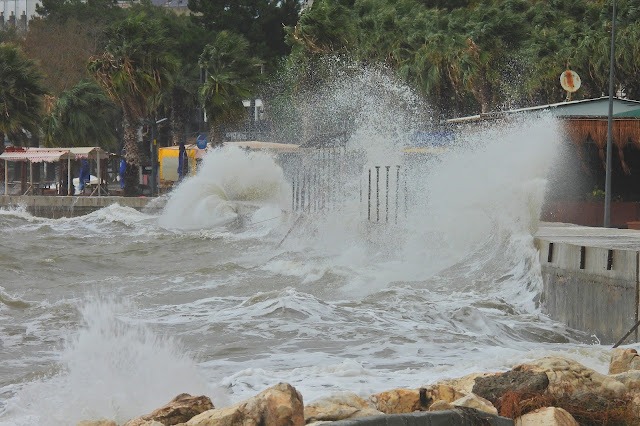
(607, 181)
(153, 184)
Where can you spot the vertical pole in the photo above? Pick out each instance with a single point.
(293, 195)
(6, 177)
(369, 199)
(397, 191)
(637, 292)
(607, 184)
(377, 193)
(30, 177)
(69, 174)
(303, 192)
(99, 174)
(297, 180)
(387, 195)
(152, 177)
(360, 187)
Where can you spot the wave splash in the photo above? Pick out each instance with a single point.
(230, 182)
(112, 367)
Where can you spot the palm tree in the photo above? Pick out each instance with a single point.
(134, 70)
(230, 76)
(21, 94)
(83, 114)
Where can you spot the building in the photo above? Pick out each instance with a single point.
(17, 12)
(576, 184)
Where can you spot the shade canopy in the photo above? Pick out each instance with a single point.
(91, 152)
(52, 155)
(36, 155)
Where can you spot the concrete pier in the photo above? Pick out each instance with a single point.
(591, 278)
(54, 207)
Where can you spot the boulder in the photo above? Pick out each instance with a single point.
(548, 416)
(492, 387)
(590, 397)
(399, 401)
(279, 405)
(442, 391)
(570, 379)
(476, 402)
(441, 405)
(624, 360)
(178, 410)
(340, 406)
(463, 385)
(630, 379)
(97, 423)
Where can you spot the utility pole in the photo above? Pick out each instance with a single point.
(607, 182)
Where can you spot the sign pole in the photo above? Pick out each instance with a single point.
(607, 182)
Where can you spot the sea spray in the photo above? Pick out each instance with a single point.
(228, 182)
(406, 216)
(112, 367)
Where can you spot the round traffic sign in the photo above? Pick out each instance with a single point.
(570, 81)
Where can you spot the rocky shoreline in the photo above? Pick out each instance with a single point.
(548, 391)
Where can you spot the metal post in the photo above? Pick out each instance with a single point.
(293, 195)
(387, 193)
(30, 178)
(152, 177)
(99, 174)
(607, 184)
(377, 193)
(6, 177)
(68, 175)
(397, 191)
(369, 198)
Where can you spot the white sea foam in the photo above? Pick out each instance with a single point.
(110, 368)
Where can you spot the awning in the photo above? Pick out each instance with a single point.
(91, 152)
(36, 155)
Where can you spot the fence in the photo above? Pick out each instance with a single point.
(327, 179)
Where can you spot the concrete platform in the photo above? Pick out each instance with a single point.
(591, 278)
(54, 207)
(611, 238)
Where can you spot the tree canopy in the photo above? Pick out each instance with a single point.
(261, 22)
(21, 94)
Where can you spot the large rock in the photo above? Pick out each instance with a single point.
(279, 405)
(97, 423)
(441, 405)
(548, 416)
(339, 406)
(463, 385)
(493, 387)
(570, 379)
(179, 410)
(399, 401)
(476, 402)
(442, 392)
(624, 360)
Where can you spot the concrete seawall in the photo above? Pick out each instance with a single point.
(54, 207)
(591, 279)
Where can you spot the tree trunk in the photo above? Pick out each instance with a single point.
(178, 121)
(131, 157)
(215, 135)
